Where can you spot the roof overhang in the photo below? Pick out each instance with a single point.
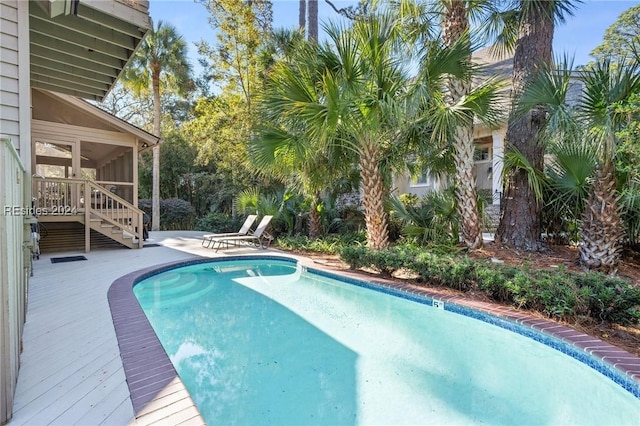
(144, 139)
(80, 47)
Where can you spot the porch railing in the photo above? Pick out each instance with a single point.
(66, 197)
(15, 267)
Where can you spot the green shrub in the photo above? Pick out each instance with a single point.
(356, 256)
(557, 293)
(495, 281)
(175, 213)
(331, 244)
(219, 223)
(609, 299)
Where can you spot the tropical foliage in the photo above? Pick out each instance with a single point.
(292, 127)
(159, 65)
(521, 207)
(592, 127)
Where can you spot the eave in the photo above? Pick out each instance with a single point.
(80, 47)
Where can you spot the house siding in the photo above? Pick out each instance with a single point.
(9, 72)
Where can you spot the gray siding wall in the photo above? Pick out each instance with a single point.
(9, 75)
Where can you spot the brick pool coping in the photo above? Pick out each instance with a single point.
(149, 370)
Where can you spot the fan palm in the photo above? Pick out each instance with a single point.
(345, 94)
(280, 147)
(455, 16)
(597, 117)
(160, 63)
(568, 179)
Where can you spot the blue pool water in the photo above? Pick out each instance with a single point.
(264, 342)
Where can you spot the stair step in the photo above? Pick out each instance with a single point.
(66, 236)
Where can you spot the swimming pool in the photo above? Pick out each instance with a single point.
(263, 341)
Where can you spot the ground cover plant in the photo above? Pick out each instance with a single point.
(558, 294)
(332, 244)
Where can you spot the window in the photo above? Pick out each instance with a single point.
(421, 180)
(482, 153)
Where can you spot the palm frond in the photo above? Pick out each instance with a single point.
(570, 172)
(514, 160)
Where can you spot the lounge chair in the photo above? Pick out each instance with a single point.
(244, 230)
(259, 237)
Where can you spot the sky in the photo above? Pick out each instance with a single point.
(576, 37)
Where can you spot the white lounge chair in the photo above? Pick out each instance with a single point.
(259, 237)
(244, 230)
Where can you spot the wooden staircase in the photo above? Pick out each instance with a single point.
(112, 231)
(100, 213)
(56, 237)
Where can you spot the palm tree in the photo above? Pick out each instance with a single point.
(276, 149)
(455, 24)
(606, 89)
(520, 214)
(599, 115)
(346, 94)
(160, 64)
(355, 93)
(455, 19)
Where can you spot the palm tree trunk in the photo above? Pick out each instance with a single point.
(373, 197)
(455, 24)
(313, 20)
(602, 230)
(302, 15)
(520, 216)
(155, 188)
(315, 227)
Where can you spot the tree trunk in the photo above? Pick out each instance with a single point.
(315, 227)
(455, 24)
(313, 20)
(373, 188)
(520, 212)
(302, 15)
(602, 230)
(155, 187)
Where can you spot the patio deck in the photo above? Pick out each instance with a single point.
(71, 371)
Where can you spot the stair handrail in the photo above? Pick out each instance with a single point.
(113, 209)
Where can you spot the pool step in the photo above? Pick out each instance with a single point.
(176, 290)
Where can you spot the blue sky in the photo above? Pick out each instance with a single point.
(578, 36)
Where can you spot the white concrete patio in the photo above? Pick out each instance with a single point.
(71, 371)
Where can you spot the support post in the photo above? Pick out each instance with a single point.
(87, 216)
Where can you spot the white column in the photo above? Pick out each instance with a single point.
(498, 137)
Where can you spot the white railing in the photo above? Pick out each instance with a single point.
(15, 268)
(115, 210)
(65, 197)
